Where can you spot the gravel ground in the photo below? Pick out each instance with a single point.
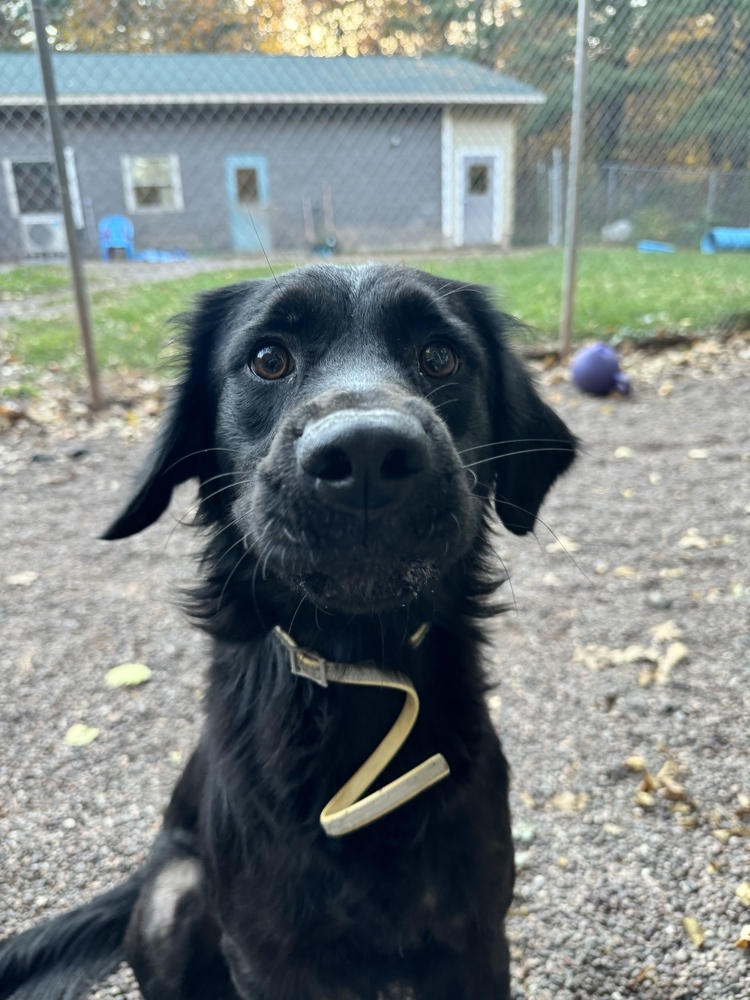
(612, 858)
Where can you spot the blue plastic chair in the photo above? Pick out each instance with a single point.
(116, 233)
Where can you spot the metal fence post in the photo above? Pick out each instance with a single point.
(76, 270)
(556, 198)
(577, 135)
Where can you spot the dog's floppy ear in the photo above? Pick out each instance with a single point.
(184, 447)
(535, 446)
(539, 447)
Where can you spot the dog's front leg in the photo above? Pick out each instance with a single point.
(172, 942)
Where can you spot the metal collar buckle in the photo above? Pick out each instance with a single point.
(303, 662)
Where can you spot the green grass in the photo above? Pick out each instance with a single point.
(619, 291)
(40, 280)
(131, 325)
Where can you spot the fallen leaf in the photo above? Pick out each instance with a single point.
(11, 412)
(127, 675)
(624, 572)
(672, 789)
(635, 763)
(665, 389)
(175, 757)
(672, 574)
(743, 804)
(698, 453)
(694, 931)
(628, 493)
(649, 783)
(707, 347)
(80, 735)
(676, 653)
(528, 800)
(654, 478)
(634, 654)
(623, 452)
(563, 544)
(612, 829)
(644, 799)
(742, 892)
(692, 540)
(646, 677)
(608, 409)
(666, 632)
(689, 822)
(592, 656)
(722, 835)
(23, 579)
(743, 941)
(667, 769)
(563, 862)
(569, 801)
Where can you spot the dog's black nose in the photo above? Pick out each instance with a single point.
(364, 459)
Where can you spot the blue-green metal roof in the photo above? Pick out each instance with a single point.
(198, 78)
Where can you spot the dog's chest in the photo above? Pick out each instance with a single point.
(389, 900)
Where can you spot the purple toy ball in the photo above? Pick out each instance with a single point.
(596, 369)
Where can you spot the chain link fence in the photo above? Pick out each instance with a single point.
(193, 128)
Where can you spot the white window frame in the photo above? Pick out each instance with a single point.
(131, 204)
(14, 207)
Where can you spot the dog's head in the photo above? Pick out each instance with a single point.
(351, 425)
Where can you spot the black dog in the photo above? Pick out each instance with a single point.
(351, 430)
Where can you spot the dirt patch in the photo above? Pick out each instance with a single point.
(612, 858)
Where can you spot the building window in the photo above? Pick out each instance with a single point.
(247, 186)
(479, 179)
(32, 189)
(152, 183)
(36, 188)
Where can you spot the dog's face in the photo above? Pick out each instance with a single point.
(352, 424)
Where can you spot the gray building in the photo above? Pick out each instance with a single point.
(216, 153)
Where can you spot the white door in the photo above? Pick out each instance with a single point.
(478, 187)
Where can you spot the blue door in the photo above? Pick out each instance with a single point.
(246, 182)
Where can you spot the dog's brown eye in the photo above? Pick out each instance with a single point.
(271, 362)
(438, 361)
